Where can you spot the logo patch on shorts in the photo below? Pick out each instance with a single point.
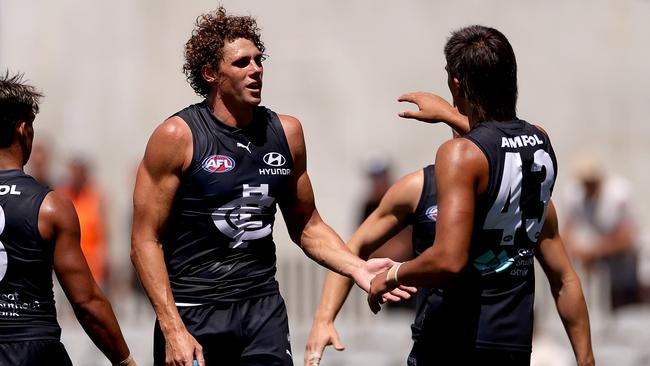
(432, 213)
(218, 164)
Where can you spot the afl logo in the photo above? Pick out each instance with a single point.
(218, 164)
(432, 213)
(274, 159)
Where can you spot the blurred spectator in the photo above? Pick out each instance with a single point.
(39, 164)
(601, 228)
(380, 179)
(87, 200)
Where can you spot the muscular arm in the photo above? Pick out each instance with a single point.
(58, 223)
(168, 153)
(386, 221)
(461, 173)
(304, 224)
(566, 289)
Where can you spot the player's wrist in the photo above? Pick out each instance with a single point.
(128, 361)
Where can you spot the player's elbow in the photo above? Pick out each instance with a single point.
(88, 303)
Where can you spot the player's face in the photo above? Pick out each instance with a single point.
(240, 73)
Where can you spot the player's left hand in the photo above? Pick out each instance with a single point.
(378, 287)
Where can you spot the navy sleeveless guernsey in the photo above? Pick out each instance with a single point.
(27, 310)
(490, 305)
(218, 242)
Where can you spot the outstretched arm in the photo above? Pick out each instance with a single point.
(386, 221)
(566, 289)
(58, 223)
(168, 153)
(308, 229)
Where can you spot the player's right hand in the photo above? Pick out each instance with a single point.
(434, 109)
(322, 335)
(181, 349)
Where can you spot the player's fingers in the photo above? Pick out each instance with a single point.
(389, 297)
(312, 358)
(336, 343)
(198, 356)
(410, 289)
(408, 97)
(374, 304)
(409, 114)
(400, 294)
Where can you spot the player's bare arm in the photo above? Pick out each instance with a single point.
(58, 223)
(434, 109)
(565, 287)
(305, 225)
(461, 174)
(386, 221)
(167, 155)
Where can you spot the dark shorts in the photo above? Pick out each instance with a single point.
(252, 332)
(429, 355)
(34, 353)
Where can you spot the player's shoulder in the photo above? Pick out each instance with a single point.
(174, 127)
(56, 212)
(460, 148)
(290, 124)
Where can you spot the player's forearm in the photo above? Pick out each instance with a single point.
(98, 320)
(572, 309)
(324, 246)
(335, 291)
(458, 122)
(148, 260)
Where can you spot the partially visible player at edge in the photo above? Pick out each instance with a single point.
(204, 207)
(494, 190)
(39, 230)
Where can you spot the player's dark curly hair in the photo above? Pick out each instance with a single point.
(482, 59)
(18, 103)
(205, 46)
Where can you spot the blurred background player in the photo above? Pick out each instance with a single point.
(39, 231)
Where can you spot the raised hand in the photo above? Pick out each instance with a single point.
(434, 109)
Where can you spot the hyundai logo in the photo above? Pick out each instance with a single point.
(274, 159)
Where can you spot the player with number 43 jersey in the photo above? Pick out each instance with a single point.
(495, 217)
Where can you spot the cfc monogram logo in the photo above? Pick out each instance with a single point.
(241, 218)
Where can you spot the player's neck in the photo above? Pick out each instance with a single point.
(232, 114)
(10, 159)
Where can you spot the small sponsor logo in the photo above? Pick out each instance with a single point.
(275, 171)
(218, 164)
(246, 147)
(432, 213)
(274, 159)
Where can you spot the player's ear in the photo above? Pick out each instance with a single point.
(454, 87)
(208, 73)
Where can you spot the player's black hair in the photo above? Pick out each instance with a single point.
(18, 103)
(483, 61)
